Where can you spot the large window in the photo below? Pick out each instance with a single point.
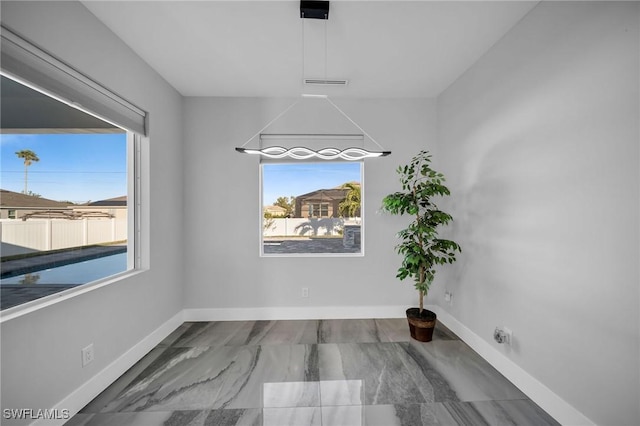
(70, 181)
(64, 211)
(312, 209)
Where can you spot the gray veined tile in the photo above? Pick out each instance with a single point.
(490, 413)
(299, 416)
(291, 394)
(234, 417)
(443, 333)
(394, 329)
(80, 419)
(456, 372)
(341, 392)
(99, 403)
(345, 415)
(157, 418)
(290, 373)
(206, 334)
(401, 415)
(179, 379)
(277, 333)
(350, 331)
(238, 333)
(251, 332)
(482, 413)
(293, 332)
(433, 386)
(459, 413)
(256, 365)
(184, 418)
(514, 412)
(380, 367)
(175, 334)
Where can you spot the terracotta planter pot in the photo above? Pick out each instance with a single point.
(421, 326)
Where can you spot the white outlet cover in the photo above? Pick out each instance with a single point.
(509, 334)
(87, 355)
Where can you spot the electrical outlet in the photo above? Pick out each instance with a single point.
(448, 297)
(87, 355)
(305, 292)
(503, 335)
(509, 334)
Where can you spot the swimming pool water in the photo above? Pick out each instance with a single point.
(75, 273)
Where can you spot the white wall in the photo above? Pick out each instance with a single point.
(41, 350)
(223, 267)
(539, 141)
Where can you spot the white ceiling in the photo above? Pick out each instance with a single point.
(246, 48)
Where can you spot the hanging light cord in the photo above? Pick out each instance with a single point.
(354, 123)
(273, 121)
(302, 152)
(302, 79)
(326, 19)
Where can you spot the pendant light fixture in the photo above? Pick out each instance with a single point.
(314, 10)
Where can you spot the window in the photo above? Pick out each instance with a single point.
(70, 177)
(312, 209)
(71, 193)
(319, 210)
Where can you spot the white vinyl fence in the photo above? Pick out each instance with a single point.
(20, 237)
(288, 227)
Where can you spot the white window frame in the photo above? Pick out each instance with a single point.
(319, 255)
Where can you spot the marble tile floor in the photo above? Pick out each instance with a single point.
(299, 373)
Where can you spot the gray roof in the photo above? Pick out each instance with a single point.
(111, 202)
(10, 199)
(324, 194)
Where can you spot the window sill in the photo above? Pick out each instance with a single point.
(35, 305)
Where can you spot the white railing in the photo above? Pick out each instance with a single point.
(19, 237)
(289, 227)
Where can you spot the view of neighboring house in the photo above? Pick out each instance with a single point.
(321, 203)
(33, 224)
(275, 211)
(115, 207)
(14, 205)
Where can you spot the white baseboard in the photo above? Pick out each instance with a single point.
(557, 408)
(294, 313)
(75, 401)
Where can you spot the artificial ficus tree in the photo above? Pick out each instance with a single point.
(419, 245)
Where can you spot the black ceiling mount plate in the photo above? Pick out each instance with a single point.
(312, 9)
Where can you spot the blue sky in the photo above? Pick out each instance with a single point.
(285, 180)
(92, 167)
(73, 167)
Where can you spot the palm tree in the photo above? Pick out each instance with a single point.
(350, 206)
(29, 157)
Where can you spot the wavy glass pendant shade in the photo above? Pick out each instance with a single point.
(303, 153)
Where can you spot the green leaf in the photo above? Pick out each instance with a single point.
(419, 245)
